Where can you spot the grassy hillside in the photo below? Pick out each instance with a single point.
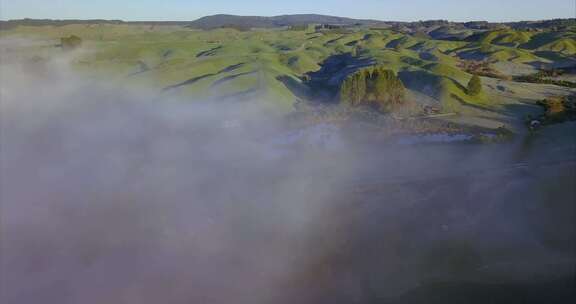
(279, 67)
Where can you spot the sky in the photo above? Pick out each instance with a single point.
(389, 10)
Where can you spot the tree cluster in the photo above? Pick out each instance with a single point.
(70, 43)
(376, 87)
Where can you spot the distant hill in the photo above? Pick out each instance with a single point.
(439, 28)
(217, 21)
(9, 24)
(208, 22)
(221, 20)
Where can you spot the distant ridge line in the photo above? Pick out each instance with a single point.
(224, 20)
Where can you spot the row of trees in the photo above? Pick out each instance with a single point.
(546, 77)
(481, 68)
(376, 87)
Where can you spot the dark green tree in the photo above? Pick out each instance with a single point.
(376, 87)
(70, 43)
(475, 86)
(353, 89)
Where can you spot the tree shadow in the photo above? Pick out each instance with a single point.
(521, 110)
(323, 85)
(422, 82)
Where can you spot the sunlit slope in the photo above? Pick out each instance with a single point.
(266, 65)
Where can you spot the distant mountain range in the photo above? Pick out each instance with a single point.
(219, 21)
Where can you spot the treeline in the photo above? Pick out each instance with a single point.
(375, 87)
(10, 24)
(298, 27)
(546, 77)
(218, 21)
(238, 27)
(481, 68)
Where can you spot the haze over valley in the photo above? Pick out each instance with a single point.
(290, 159)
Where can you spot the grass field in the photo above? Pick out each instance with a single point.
(232, 64)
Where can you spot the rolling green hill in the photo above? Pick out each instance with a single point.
(280, 67)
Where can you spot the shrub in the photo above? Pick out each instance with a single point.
(70, 43)
(553, 105)
(558, 109)
(475, 86)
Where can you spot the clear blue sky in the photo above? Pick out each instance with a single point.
(401, 10)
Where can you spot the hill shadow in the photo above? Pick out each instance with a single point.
(142, 68)
(193, 80)
(323, 85)
(231, 68)
(395, 43)
(558, 60)
(187, 82)
(327, 43)
(209, 52)
(231, 77)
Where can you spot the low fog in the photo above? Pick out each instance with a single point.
(117, 195)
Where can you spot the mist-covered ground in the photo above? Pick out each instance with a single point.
(280, 67)
(113, 194)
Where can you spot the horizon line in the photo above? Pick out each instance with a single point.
(271, 16)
